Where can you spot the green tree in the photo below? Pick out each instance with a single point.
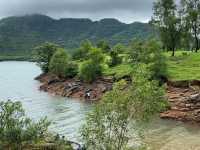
(60, 64)
(43, 54)
(104, 46)
(115, 58)
(82, 52)
(16, 130)
(108, 125)
(91, 68)
(149, 53)
(166, 18)
(191, 14)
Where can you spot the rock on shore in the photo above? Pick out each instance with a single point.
(184, 102)
(74, 88)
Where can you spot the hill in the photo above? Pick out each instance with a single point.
(18, 35)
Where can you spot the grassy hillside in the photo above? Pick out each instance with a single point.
(21, 34)
(184, 66)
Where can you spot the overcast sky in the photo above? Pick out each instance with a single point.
(125, 10)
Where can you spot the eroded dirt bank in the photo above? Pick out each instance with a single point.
(74, 88)
(183, 96)
(184, 99)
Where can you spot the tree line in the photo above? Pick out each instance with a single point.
(178, 23)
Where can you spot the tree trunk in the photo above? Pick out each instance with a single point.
(173, 52)
(197, 43)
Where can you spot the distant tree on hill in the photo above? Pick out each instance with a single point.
(43, 54)
(166, 19)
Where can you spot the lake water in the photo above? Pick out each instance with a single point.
(17, 83)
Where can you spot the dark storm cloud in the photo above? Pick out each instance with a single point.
(124, 10)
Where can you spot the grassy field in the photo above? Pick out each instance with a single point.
(184, 66)
(119, 71)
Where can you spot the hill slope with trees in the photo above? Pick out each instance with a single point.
(18, 35)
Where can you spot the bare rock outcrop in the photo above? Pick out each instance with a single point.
(184, 103)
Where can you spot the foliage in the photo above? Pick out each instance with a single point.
(88, 71)
(61, 66)
(16, 129)
(166, 18)
(191, 16)
(82, 52)
(115, 58)
(91, 67)
(43, 55)
(23, 33)
(150, 53)
(108, 125)
(104, 46)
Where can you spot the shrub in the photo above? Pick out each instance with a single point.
(43, 54)
(16, 129)
(115, 59)
(88, 71)
(61, 66)
(82, 52)
(91, 68)
(108, 125)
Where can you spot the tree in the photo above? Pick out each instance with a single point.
(148, 53)
(108, 125)
(191, 13)
(43, 55)
(82, 52)
(166, 18)
(16, 130)
(115, 58)
(91, 67)
(60, 64)
(104, 46)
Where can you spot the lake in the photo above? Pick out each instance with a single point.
(17, 83)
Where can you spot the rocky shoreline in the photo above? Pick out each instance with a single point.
(74, 88)
(184, 100)
(183, 96)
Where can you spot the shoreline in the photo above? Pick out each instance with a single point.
(184, 100)
(74, 88)
(183, 96)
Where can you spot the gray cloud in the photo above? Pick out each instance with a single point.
(124, 10)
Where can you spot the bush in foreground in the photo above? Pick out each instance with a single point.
(109, 124)
(18, 132)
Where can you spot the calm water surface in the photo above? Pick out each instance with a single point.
(17, 83)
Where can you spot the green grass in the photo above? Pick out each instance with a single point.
(184, 66)
(119, 71)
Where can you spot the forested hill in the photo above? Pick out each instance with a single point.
(23, 33)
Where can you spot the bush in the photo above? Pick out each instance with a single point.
(43, 54)
(61, 66)
(150, 53)
(82, 52)
(16, 130)
(115, 59)
(89, 70)
(108, 125)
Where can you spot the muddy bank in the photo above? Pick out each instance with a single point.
(75, 88)
(184, 99)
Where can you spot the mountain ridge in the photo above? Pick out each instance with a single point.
(22, 33)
